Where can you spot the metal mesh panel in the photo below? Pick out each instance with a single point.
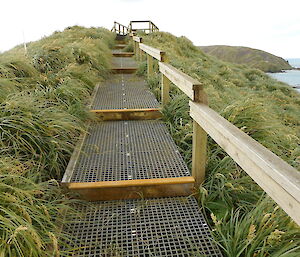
(123, 62)
(153, 227)
(124, 91)
(124, 150)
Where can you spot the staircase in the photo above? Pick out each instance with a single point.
(135, 185)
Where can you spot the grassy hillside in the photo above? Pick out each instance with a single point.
(245, 221)
(252, 58)
(43, 97)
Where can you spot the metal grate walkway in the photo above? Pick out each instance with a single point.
(138, 161)
(124, 91)
(153, 227)
(125, 150)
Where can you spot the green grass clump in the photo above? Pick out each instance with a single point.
(43, 97)
(262, 107)
(31, 214)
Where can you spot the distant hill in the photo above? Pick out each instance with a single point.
(251, 57)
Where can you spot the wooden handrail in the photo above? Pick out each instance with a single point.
(277, 178)
(185, 83)
(151, 26)
(120, 28)
(137, 39)
(155, 53)
(121, 24)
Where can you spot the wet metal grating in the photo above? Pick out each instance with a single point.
(154, 227)
(125, 150)
(124, 91)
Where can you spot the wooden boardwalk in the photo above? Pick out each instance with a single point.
(136, 185)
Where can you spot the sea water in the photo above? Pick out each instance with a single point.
(295, 62)
(291, 77)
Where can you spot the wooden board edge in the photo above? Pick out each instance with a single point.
(130, 183)
(127, 110)
(74, 157)
(128, 114)
(135, 190)
(93, 95)
(123, 54)
(123, 70)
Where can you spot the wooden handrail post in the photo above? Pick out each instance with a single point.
(165, 89)
(134, 47)
(149, 65)
(137, 51)
(141, 54)
(199, 154)
(164, 57)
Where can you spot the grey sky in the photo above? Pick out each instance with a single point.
(270, 25)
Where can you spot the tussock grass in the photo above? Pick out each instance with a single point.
(29, 214)
(262, 107)
(43, 97)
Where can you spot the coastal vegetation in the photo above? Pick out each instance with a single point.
(44, 90)
(252, 58)
(245, 221)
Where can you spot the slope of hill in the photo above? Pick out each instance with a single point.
(253, 58)
(43, 97)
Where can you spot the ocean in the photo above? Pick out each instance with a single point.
(295, 62)
(291, 77)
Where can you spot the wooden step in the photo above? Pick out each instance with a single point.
(127, 160)
(128, 114)
(123, 70)
(133, 189)
(121, 42)
(120, 46)
(123, 54)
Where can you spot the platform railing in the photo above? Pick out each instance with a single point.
(150, 27)
(120, 29)
(276, 177)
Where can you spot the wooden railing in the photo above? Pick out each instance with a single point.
(149, 27)
(277, 178)
(120, 29)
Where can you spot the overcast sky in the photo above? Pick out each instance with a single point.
(270, 25)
